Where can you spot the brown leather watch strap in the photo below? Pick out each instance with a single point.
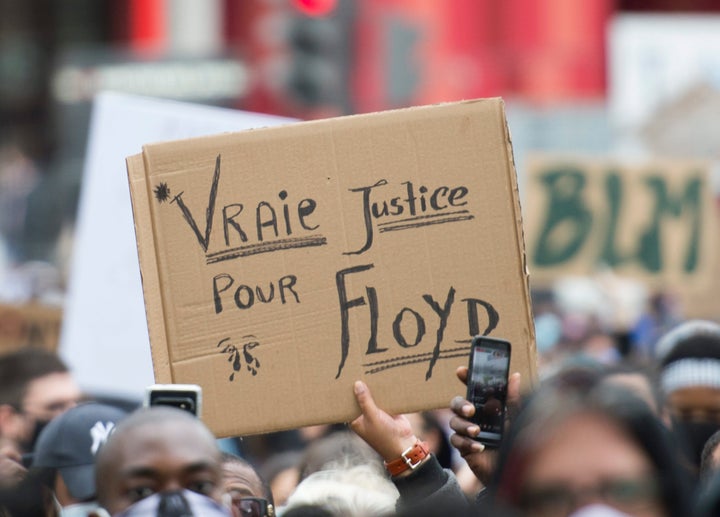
(409, 459)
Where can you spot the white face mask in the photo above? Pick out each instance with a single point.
(176, 504)
(598, 510)
(80, 510)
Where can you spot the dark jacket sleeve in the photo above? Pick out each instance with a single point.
(430, 489)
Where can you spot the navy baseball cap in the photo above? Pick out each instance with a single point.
(70, 442)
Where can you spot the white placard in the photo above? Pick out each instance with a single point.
(653, 59)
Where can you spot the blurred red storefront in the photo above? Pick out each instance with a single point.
(411, 52)
(545, 50)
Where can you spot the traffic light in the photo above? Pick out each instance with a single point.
(315, 7)
(320, 46)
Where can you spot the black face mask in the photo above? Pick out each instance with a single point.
(693, 436)
(37, 429)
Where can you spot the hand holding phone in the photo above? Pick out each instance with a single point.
(487, 387)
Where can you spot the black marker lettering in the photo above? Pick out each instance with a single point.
(423, 203)
(286, 212)
(261, 296)
(216, 291)
(345, 306)
(230, 221)
(395, 203)
(397, 330)
(444, 313)
(410, 199)
(287, 282)
(367, 216)
(305, 208)
(474, 322)
(209, 212)
(250, 297)
(456, 195)
(270, 223)
(373, 302)
(434, 198)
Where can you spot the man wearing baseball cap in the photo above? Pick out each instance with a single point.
(65, 454)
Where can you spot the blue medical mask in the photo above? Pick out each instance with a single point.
(181, 503)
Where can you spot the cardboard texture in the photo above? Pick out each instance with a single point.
(652, 221)
(280, 265)
(703, 301)
(29, 325)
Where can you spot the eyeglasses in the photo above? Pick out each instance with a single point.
(626, 495)
(253, 507)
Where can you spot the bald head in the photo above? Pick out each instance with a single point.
(157, 450)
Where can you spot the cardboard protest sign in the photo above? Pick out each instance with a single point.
(281, 264)
(655, 221)
(29, 325)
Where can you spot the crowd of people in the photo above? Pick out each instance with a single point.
(637, 435)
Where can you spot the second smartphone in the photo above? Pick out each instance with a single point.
(187, 397)
(487, 387)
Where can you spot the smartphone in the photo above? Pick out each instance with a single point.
(487, 387)
(187, 397)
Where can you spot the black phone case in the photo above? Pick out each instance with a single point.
(499, 344)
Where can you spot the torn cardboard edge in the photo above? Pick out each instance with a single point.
(149, 270)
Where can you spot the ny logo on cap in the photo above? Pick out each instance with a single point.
(100, 433)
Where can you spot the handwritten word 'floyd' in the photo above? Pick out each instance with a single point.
(441, 310)
(568, 210)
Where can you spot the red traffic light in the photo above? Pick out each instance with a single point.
(315, 7)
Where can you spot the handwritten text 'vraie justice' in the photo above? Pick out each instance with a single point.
(286, 222)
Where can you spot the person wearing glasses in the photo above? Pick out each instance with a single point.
(250, 495)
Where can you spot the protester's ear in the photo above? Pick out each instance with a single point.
(8, 416)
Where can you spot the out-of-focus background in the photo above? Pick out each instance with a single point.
(625, 78)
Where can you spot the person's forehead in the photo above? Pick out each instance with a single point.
(607, 451)
(170, 444)
(59, 385)
(637, 383)
(236, 475)
(696, 397)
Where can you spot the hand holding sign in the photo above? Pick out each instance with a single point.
(388, 435)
